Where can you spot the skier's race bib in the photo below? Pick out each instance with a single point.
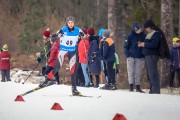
(68, 43)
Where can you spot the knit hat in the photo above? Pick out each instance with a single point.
(106, 33)
(175, 40)
(149, 23)
(54, 37)
(70, 18)
(135, 27)
(84, 31)
(46, 33)
(91, 31)
(101, 32)
(5, 47)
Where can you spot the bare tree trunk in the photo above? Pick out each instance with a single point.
(98, 9)
(167, 28)
(179, 18)
(112, 17)
(116, 23)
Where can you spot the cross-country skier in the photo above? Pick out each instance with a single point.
(68, 44)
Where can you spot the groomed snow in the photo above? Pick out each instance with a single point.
(37, 105)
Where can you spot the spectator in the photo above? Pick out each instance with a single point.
(151, 52)
(53, 57)
(43, 56)
(135, 58)
(94, 61)
(103, 63)
(5, 64)
(109, 57)
(83, 48)
(174, 63)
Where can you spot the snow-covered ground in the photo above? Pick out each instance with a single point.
(37, 105)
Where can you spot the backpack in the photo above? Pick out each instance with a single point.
(163, 46)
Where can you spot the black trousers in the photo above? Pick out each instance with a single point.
(48, 69)
(172, 74)
(110, 72)
(152, 73)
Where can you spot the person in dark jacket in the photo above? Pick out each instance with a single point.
(5, 64)
(174, 63)
(103, 63)
(53, 57)
(94, 61)
(135, 58)
(43, 56)
(150, 51)
(109, 58)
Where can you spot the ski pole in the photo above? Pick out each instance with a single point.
(31, 73)
(37, 65)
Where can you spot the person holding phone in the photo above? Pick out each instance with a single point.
(135, 58)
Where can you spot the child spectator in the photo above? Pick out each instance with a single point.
(109, 57)
(5, 64)
(174, 63)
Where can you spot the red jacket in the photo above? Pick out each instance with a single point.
(5, 60)
(53, 54)
(83, 49)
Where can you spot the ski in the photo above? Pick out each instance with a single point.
(89, 96)
(35, 89)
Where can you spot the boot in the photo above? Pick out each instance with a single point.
(138, 89)
(113, 87)
(107, 86)
(131, 89)
(75, 91)
(47, 82)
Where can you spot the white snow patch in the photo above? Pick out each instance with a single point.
(37, 105)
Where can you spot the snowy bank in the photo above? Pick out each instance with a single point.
(37, 105)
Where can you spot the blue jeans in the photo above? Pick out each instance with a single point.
(5, 75)
(86, 77)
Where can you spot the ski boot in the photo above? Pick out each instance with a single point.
(113, 87)
(138, 89)
(107, 86)
(75, 91)
(47, 82)
(131, 89)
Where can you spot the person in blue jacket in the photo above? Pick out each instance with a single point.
(151, 52)
(174, 63)
(68, 45)
(135, 58)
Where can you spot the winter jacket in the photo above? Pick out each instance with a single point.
(175, 57)
(83, 48)
(101, 48)
(91, 38)
(151, 45)
(109, 50)
(131, 48)
(53, 54)
(45, 53)
(94, 61)
(5, 60)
